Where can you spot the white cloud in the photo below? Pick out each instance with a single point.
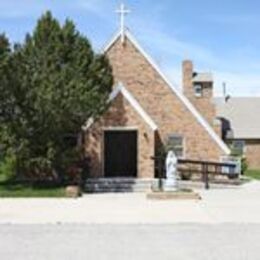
(21, 9)
(92, 6)
(242, 84)
(237, 84)
(238, 70)
(233, 19)
(238, 67)
(32, 8)
(172, 47)
(100, 8)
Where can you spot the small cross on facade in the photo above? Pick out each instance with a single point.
(122, 11)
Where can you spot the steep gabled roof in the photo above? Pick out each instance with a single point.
(184, 100)
(120, 89)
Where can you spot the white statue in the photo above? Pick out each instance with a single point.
(171, 172)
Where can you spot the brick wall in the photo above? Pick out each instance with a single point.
(120, 115)
(252, 153)
(160, 102)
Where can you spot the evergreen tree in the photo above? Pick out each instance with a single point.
(4, 66)
(57, 83)
(6, 99)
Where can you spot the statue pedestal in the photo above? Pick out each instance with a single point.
(173, 195)
(170, 184)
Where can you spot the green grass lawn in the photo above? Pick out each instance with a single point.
(255, 174)
(9, 190)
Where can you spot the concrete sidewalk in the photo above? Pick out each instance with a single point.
(238, 205)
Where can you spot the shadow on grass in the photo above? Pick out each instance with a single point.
(15, 189)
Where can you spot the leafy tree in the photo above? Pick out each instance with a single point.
(55, 82)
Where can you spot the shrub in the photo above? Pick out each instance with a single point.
(71, 166)
(244, 165)
(39, 170)
(7, 168)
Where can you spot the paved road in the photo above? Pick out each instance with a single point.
(123, 242)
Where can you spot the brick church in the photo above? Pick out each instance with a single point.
(146, 113)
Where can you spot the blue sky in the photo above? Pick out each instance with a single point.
(222, 37)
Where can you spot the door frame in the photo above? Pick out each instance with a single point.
(119, 129)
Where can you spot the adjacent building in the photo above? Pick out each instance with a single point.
(240, 117)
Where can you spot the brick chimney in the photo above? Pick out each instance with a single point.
(187, 76)
(198, 88)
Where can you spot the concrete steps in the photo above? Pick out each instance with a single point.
(103, 185)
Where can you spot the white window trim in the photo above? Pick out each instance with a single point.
(120, 128)
(184, 147)
(244, 144)
(197, 93)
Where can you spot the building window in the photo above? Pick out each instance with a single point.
(238, 147)
(198, 90)
(176, 143)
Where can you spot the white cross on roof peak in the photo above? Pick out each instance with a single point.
(122, 11)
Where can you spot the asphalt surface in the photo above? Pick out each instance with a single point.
(180, 241)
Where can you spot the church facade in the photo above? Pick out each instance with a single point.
(147, 114)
